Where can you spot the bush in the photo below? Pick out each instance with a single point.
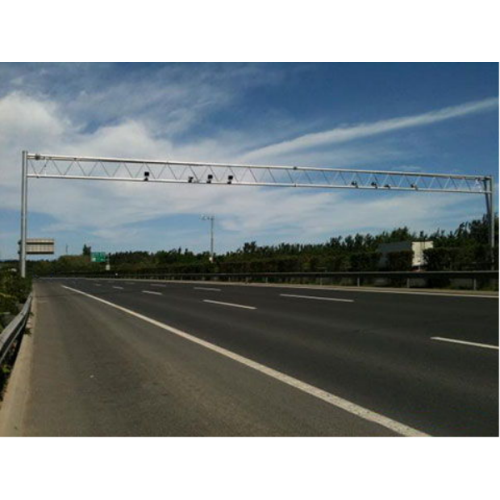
(13, 291)
(400, 261)
(365, 261)
(468, 258)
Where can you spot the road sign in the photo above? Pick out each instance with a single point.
(40, 246)
(98, 257)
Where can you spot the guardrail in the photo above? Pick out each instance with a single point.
(402, 278)
(12, 331)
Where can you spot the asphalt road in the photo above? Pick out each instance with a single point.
(98, 370)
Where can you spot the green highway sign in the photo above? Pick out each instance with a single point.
(98, 257)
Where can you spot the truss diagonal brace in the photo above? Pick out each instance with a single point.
(48, 166)
(119, 169)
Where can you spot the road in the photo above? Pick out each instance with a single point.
(172, 358)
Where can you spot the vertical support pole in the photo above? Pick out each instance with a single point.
(492, 222)
(24, 214)
(490, 208)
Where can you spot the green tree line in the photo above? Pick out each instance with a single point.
(465, 248)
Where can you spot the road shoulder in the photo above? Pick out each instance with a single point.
(13, 407)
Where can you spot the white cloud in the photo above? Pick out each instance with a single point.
(349, 133)
(117, 214)
(28, 121)
(170, 99)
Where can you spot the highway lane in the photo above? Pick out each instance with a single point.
(413, 312)
(100, 372)
(374, 349)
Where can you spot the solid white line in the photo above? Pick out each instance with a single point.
(456, 341)
(152, 293)
(329, 398)
(228, 304)
(203, 288)
(314, 297)
(118, 287)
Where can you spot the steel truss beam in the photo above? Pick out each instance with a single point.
(117, 169)
(46, 166)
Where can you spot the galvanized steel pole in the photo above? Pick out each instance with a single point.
(24, 215)
(491, 220)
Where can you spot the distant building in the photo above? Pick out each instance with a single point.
(417, 247)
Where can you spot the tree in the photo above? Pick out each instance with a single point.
(465, 248)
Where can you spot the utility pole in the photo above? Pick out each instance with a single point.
(211, 218)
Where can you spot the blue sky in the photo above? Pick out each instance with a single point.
(416, 116)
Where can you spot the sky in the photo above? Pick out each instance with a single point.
(416, 117)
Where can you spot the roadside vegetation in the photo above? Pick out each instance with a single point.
(465, 248)
(13, 292)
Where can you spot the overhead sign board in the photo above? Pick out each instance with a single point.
(98, 257)
(40, 246)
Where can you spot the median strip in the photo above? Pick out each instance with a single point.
(314, 297)
(229, 304)
(464, 342)
(152, 293)
(313, 391)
